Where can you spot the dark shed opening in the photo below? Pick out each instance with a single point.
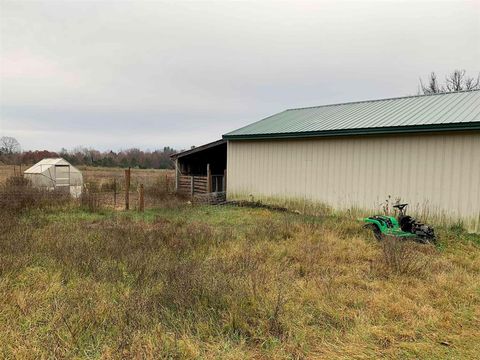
(202, 169)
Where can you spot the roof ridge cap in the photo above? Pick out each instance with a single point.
(383, 99)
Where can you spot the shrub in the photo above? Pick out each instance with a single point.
(17, 181)
(18, 194)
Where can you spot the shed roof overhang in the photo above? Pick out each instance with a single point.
(198, 149)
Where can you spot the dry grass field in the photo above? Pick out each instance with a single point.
(182, 281)
(7, 171)
(109, 183)
(99, 175)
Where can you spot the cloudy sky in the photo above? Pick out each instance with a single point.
(114, 75)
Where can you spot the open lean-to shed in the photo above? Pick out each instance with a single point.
(424, 150)
(56, 174)
(202, 170)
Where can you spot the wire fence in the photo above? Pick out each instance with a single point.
(99, 191)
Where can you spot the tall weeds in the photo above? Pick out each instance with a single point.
(17, 195)
(90, 199)
(403, 257)
(231, 283)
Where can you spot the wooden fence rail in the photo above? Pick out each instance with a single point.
(195, 185)
(191, 185)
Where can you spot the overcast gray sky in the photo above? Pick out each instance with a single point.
(113, 75)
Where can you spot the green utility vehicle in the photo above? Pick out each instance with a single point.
(403, 226)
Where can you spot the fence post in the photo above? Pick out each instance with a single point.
(114, 193)
(127, 189)
(209, 179)
(141, 206)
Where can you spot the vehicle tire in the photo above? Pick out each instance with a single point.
(426, 235)
(376, 232)
(432, 240)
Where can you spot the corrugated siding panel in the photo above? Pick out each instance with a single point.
(438, 174)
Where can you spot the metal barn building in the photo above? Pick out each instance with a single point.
(424, 150)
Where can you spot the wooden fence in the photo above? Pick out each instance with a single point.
(192, 185)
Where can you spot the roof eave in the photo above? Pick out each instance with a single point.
(198, 149)
(362, 131)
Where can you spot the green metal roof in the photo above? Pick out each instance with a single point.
(437, 112)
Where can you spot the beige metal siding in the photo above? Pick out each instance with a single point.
(438, 174)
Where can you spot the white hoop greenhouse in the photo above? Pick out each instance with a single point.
(56, 174)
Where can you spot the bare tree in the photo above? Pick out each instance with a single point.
(9, 145)
(456, 81)
(432, 87)
(472, 84)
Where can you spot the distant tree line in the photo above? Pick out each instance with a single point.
(10, 153)
(135, 158)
